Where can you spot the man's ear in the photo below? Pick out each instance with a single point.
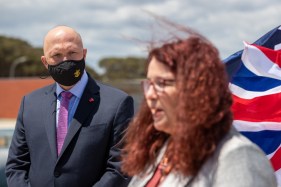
(84, 53)
(43, 60)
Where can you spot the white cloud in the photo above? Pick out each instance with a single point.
(103, 24)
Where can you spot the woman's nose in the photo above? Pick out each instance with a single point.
(151, 93)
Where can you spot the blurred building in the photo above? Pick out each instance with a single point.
(12, 91)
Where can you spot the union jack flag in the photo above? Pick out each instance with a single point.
(255, 82)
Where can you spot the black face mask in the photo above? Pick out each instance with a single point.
(67, 72)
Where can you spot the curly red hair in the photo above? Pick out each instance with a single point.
(203, 114)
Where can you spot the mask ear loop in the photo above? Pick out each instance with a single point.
(44, 74)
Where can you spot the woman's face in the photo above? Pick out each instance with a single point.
(161, 95)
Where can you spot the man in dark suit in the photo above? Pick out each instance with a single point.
(75, 144)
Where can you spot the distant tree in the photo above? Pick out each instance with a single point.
(123, 68)
(13, 49)
(93, 73)
(33, 65)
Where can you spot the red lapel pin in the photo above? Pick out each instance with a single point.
(91, 100)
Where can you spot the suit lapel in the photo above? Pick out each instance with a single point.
(49, 106)
(88, 105)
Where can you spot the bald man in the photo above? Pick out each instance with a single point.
(68, 134)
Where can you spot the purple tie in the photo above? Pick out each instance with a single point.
(63, 119)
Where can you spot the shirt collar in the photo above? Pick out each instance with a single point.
(78, 88)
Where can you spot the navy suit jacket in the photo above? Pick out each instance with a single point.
(90, 155)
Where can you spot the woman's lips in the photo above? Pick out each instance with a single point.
(158, 114)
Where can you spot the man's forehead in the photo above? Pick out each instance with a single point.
(62, 35)
(63, 42)
(65, 46)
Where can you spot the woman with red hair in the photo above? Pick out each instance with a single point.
(183, 134)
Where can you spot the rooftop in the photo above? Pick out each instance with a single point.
(11, 93)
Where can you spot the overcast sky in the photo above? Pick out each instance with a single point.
(105, 25)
